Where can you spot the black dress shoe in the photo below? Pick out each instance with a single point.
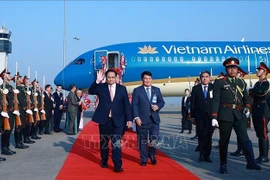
(19, 146)
(262, 159)
(118, 169)
(253, 166)
(48, 133)
(2, 159)
(6, 151)
(143, 163)
(153, 160)
(14, 152)
(223, 169)
(182, 132)
(36, 137)
(195, 137)
(201, 159)
(208, 160)
(237, 153)
(25, 146)
(28, 141)
(40, 133)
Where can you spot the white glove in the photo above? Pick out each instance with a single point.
(16, 91)
(29, 112)
(5, 91)
(43, 95)
(4, 114)
(36, 94)
(36, 109)
(28, 92)
(246, 112)
(42, 111)
(16, 112)
(214, 123)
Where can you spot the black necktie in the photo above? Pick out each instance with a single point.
(233, 81)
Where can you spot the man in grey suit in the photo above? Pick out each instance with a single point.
(73, 107)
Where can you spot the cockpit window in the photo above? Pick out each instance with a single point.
(79, 61)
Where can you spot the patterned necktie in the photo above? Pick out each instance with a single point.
(148, 93)
(205, 92)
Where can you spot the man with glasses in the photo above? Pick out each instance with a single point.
(231, 107)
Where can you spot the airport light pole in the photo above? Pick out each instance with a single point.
(64, 48)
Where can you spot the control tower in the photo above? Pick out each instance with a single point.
(5, 47)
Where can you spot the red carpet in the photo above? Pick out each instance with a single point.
(83, 162)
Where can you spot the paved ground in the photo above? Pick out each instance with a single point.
(44, 159)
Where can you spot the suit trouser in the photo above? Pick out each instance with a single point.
(260, 126)
(185, 122)
(78, 119)
(225, 129)
(110, 131)
(142, 133)
(57, 119)
(72, 117)
(205, 133)
(5, 138)
(48, 123)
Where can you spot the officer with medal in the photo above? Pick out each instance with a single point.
(5, 138)
(231, 107)
(260, 111)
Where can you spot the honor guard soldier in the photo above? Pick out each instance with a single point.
(260, 111)
(10, 98)
(37, 106)
(1, 119)
(230, 107)
(22, 110)
(29, 112)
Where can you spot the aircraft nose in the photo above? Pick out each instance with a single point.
(58, 80)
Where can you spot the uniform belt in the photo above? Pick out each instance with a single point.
(259, 102)
(233, 106)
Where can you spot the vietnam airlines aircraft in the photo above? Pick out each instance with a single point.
(174, 65)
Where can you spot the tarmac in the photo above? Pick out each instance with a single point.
(44, 159)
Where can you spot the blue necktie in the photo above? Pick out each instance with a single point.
(148, 93)
(205, 92)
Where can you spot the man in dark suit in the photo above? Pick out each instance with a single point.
(49, 107)
(112, 111)
(58, 110)
(73, 106)
(185, 109)
(147, 101)
(231, 107)
(201, 111)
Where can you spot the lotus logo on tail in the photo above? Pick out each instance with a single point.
(147, 50)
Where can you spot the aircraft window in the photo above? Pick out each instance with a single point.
(169, 58)
(217, 58)
(145, 59)
(223, 58)
(151, 59)
(157, 59)
(211, 59)
(79, 61)
(163, 59)
(240, 58)
(175, 59)
(139, 59)
(181, 58)
(133, 59)
(113, 60)
(199, 58)
(193, 59)
(205, 58)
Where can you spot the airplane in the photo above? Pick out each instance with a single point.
(174, 65)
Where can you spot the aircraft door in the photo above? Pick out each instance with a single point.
(100, 56)
(259, 57)
(113, 59)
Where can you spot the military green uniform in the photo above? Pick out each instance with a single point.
(230, 100)
(1, 120)
(260, 117)
(6, 135)
(36, 125)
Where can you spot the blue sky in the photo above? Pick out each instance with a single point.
(37, 26)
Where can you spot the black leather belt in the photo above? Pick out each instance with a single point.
(233, 106)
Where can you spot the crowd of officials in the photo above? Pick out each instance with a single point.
(226, 104)
(32, 111)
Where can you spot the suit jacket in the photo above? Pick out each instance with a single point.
(223, 94)
(141, 105)
(58, 100)
(120, 106)
(185, 106)
(73, 102)
(48, 104)
(199, 105)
